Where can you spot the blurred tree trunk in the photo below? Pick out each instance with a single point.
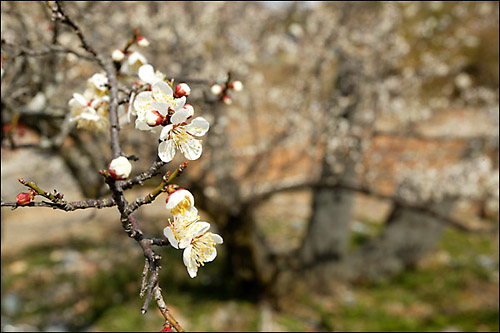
(327, 235)
(409, 234)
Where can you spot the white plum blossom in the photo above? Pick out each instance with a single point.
(186, 232)
(181, 202)
(182, 229)
(150, 105)
(148, 74)
(135, 61)
(200, 250)
(180, 135)
(97, 86)
(91, 115)
(120, 168)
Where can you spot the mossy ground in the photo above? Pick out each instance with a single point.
(83, 285)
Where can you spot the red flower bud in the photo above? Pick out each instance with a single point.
(24, 198)
(182, 89)
(227, 100)
(166, 328)
(142, 41)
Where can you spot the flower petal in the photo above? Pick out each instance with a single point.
(199, 126)
(178, 103)
(165, 131)
(140, 124)
(171, 237)
(142, 102)
(191, 148)
(199, 228)
(79, 99)
(179, 116)
(217, 239)
(192, 271)
(175, 198)
(147, 73)
(162, 92)
(160, 107)
(186, 256)
(166, 150)
(211, 255)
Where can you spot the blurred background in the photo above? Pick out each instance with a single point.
(354, 179)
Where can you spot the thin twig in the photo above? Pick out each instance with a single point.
(162, 187)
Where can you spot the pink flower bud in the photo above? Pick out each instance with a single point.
(24, 198)
(236, 85)
(216, 89)
(154, 118)
(227, 100)
(117, 55)
(142, 41)
(120, 168)
(181, 90)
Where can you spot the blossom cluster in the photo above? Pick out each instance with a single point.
(166, 106)
(187, 232)
(160, 106)
(90, 110)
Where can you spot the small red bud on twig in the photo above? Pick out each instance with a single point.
(24, 198)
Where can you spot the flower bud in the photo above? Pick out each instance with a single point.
(216, 89)
(181, 90)
(190, 109)
(117, 55)
(142, 41)
(24, 198)
(154, 118)
(166, 328)
(236, 85)
(120, 168)
(227, 100)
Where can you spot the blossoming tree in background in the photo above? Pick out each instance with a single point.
(339, 96)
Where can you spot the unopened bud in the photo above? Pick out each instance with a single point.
(24, 198)
(142, 41)
(117, 55)
(181, 90)
(216, 89)
(227, 100)
(236, 85)
(154, 118)
(190, 110)
(120, 168)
